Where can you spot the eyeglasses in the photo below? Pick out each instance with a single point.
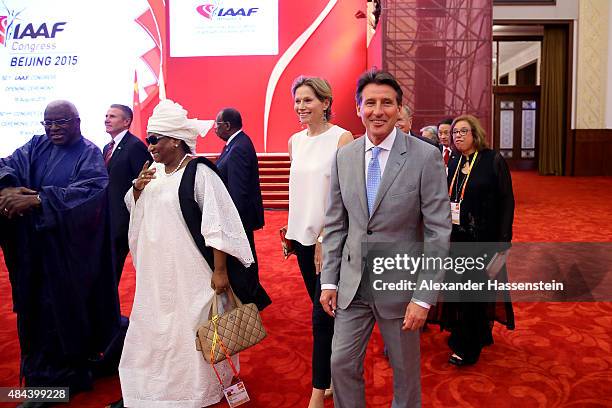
(217, 124)
(59, 122)
(462, 131)
(153, 139)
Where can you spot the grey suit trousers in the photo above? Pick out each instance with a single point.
(352, 331)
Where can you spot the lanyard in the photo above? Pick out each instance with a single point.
(218, 342)
(450, 188)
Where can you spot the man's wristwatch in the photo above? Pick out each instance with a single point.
(38, 199)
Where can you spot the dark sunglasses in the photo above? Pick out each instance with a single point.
(153, 140)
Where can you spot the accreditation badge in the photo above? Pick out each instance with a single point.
(236, 394)
(455, 212)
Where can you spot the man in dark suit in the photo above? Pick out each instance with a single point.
(124, 157)
(404, 123)
(239, 171)
(444, 134)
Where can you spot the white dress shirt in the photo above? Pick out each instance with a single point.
(232, 137)
(444, 150)
(383, 156)
(118, 139)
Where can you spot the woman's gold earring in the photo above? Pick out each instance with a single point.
(175, 145)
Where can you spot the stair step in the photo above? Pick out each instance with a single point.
(273, 156)
(274, 180)
(274, 163)
(276, 204)
(275, 195)
(274, 171)
(279, 178)
(274, 186)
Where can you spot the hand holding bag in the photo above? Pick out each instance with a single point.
(287, 244)
(230, 333)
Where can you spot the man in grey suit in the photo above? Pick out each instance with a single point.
(385, 187)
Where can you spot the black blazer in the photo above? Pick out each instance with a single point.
(124, 166)
(452, 155)
(426, 140)
(239, 171)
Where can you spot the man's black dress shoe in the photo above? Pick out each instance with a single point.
(459, 362)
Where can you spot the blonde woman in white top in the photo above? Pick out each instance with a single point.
(312, 151)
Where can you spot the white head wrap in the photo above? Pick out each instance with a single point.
(170, 119)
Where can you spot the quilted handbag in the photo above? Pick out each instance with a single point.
(230, 333)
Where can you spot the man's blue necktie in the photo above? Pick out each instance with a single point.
(373, 178)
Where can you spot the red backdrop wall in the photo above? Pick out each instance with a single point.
(336, 51)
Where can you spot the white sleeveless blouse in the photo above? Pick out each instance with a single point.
(309, 182)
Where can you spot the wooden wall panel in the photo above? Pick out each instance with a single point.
(593, 152)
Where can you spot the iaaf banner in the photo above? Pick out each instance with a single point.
(85, 52)
(223, 27)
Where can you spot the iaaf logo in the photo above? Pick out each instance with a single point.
(6, 24)
(212, 10)
(10, 30)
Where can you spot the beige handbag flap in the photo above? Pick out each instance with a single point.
(238, 329)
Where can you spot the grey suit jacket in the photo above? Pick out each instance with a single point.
(412, 205)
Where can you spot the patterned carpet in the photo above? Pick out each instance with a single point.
(558, 356)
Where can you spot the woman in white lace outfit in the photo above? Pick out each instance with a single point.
(160, 366)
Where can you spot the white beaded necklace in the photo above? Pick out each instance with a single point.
(177, 167)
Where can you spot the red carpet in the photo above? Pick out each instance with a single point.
(558, 356)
